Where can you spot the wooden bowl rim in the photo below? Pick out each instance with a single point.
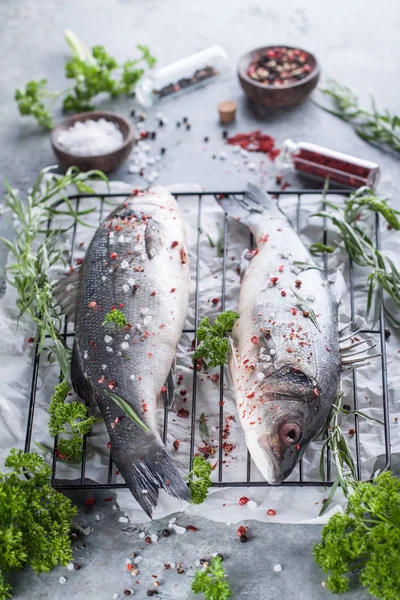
(248, 57)
(84, 116)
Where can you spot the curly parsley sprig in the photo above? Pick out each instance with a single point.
(70, 422)
(35, 520)
(365, 541)
(215, 347)
(211, 581)
(92, 72)
(199, 479)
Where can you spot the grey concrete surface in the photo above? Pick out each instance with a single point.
(356, 42)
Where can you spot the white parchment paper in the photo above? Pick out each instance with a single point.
(292, 504)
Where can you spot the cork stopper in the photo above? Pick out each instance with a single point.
(227, 111)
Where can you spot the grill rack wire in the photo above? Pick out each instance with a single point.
(81, 483)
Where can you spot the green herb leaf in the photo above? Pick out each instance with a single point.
(371, 126)
(115, 316)
(199, 479)
(203, 428)
(211, 581)
(364, 542)
(35, 519)
(305, 305)
(215, 347)
(128, 410)
(31, 101)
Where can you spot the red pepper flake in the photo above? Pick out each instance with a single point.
(129, 566)
(172, 290)
(227, 447)
(111, 385)
(327, 349)
(30, 340)
(109, 499)
(114, 256)
(144, 134)
(164, 389)
(274, 280)
(215, 378)
(263, 239)
(147, 539)
(114, 307)
(215, 300)
(255, 142)
(174, 244)
(191, 528)
(294, 311)
(254, 340)
(316, 392)
(183, 413)
(298, 283)
(352, 431)
(102, 378)
(283, 293)
(289, 350)
(108, 445)
(280, 269)
(153, 293)
(243, 500)
(242, 530)
(250, 395)
(92, 304)
(306, 314)
(298, 446)
(79, 261)
(120, 305)
(71, 269)
(271, 512)
(90, 501)
(116, 472)
(162, 325)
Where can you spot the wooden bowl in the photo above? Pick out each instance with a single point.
(104, 162)
(288, 95)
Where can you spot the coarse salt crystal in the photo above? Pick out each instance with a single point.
(178, 529)
(62, 580)
(115, 596)
(147, 319)
(108, 349)
(131, 281)
(124, 264)
(121, 238)
(235, 149)
(124, 345)
(154, 538)
(222, 155)
(260, 376)
(251, 504)
(123, 520)
(98, 517)
(126, 288)
(137, 560)
(144, 310)
(108, 339)
(104, 367)
(91, 138)
(70, 566)
(151, 160)
(142, 534)
(134, 169)
(132, 378)
(85, 354)
(252, 166)
(277, 568)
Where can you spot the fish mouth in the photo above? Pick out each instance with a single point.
(267, 462)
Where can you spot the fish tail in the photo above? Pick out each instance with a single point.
(148, 468)
(248, 209)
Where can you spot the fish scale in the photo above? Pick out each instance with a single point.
(136, 263)
(285, 366)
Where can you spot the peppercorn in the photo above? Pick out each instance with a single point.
(165, 532)
(128, 592)
(153, 135)
(206, 455)
(214, 156)
(77, 566)
(202, 561)
(387, 334)
(141, 172)
(180, 569)
(160, 123)
(147, 539)
(185, 119)
(243, 538)
(346, 407)
(133, 113)
(224, 134)
(150, 592)
(178, 123)
(188, 126)
(206, 139)
(163, 150)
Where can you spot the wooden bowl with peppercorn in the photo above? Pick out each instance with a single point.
(278, 75)
(93, 140)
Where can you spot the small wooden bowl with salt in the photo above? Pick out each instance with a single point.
(107, 138)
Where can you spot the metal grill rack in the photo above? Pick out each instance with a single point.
(378, 332)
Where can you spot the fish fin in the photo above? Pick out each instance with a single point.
(354, 352)
(153, 236)
(253, 203)
(66, 291)
(167, 397)
(79, 382)
(147, 468)
(338, 286)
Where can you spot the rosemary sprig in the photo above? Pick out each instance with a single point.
(303, 303)
(383, 274)
(341, 452)
(370, 125)
(36, 249)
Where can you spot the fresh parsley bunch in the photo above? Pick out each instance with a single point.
(69, 421)
(215, 346)
(92, 72)
(199, 479)
(365, 540)
(211, 581)
(35, 520)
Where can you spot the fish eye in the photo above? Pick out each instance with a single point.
(290, 433)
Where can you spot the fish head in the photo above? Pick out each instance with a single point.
(289, 415)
